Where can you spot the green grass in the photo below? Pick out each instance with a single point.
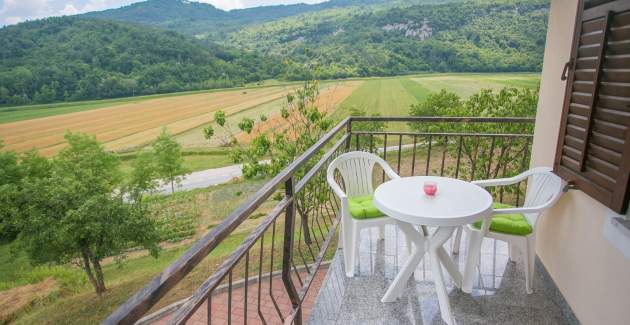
(393, 96)
(80, 305)
(194, 160)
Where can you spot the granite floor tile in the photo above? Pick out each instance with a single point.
(498, 295)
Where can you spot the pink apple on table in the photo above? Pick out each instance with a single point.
(430, 188)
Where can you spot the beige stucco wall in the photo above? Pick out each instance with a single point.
(592, 275)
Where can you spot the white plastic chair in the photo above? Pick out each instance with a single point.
(543, 191)
(356, 169)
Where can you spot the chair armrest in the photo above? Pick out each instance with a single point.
(511, 180)
(386, 168)
(390, 172)
(334, 186)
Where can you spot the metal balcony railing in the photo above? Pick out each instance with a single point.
(268, 278)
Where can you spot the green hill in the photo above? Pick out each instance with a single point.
(71, 58)
(194, 18)
(481, 36)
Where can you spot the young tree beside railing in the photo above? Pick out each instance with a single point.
(486, 156)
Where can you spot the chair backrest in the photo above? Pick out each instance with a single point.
(544, 188)
(356, 169)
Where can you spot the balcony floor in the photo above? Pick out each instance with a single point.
(498, 296)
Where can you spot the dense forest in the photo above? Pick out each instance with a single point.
(195, 18)
(177, 45)
(471, 36)
(68, 58)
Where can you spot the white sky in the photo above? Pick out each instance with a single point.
(15, 11)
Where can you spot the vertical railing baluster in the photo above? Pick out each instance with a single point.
(492, 144)
(209, 309)
(260, 270)
(503, 175)
(399, 152)
(349, 132)
(287, 251)
(246, 285)
(413, 157)
(459, 156)
(384, 155)
(229, 304)
(426, 168)
(444, 151)
(371, 142)
(522, 169)
(356, 142)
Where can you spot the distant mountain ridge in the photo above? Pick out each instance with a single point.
(190, 17)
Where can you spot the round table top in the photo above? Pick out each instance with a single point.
(456, 202)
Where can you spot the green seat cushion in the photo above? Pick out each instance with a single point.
(512, 223)
(362, 207)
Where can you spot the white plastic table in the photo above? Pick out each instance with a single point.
(456, 203)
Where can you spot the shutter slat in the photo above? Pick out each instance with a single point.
(607, 141)
(581, 98)
(614, 102)
(602, 166)
(618, 61)
(614, 88)
(611, 115)
(605, 154)
(583, 86)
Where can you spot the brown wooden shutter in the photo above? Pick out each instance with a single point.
(594, 144)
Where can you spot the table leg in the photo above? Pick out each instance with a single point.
(438, 257)
(418, 250)
(451, 267)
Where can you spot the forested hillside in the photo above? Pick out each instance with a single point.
(472, 36)
(176, 45)
(71, 58)
(202, 19)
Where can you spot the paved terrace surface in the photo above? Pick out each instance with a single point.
(498, 296)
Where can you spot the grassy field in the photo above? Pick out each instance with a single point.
(194, 160)
(76, 297)
(393, 96)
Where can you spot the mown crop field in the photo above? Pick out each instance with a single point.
(133, 124)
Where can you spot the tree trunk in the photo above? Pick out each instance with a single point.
(95, 275)
(100, 279)
(88, 269)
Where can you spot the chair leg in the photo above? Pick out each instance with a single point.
(457, 240)
(341, 237)
(530, 258)
(351, 249)
(513, 250)
(381, 232)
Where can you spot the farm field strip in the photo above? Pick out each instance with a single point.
(183, 125)
(329, 98)
(383, 96)
(132, 113)
(109, 124)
